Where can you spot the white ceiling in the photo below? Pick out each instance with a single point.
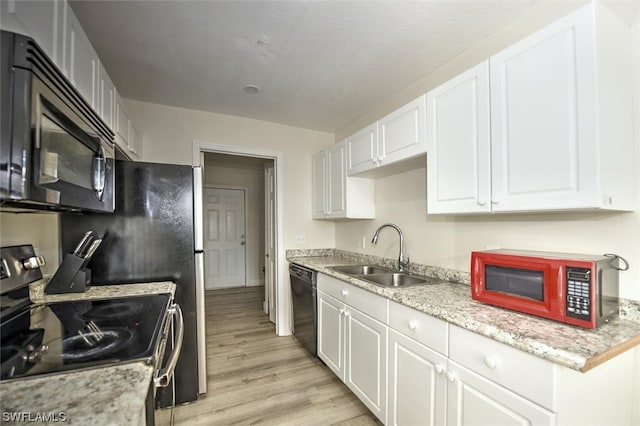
(318, 64)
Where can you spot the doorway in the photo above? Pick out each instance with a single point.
(271, 249)
(224, 237)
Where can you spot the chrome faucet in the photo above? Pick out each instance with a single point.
(402, 262)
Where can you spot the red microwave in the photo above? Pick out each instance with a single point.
(575, 289)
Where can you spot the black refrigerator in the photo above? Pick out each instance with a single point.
(154, 235)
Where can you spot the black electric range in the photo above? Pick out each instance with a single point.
(61, 336)
(37, 339)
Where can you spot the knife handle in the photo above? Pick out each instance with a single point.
(83, 243)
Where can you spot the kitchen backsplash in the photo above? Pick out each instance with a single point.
(451, 275)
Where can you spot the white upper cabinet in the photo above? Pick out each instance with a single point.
(398, 136)
(319, 185)
(335, 195)
(362, 150)
(81, 61)
(41, 20)
(458, 144)
(122, 125)
(402, 134)
(106, 98)
(54, 26)
(135, 143)
(336, 180)
(560, 119)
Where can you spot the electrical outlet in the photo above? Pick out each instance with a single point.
(301, 239)
(362, 242)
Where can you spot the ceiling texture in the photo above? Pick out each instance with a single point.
(317, 64)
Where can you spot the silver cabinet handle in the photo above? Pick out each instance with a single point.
(164, 376)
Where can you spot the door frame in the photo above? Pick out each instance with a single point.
(233, 188)
(283, 326)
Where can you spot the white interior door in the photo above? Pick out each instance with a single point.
(225, 238)
(270, 243)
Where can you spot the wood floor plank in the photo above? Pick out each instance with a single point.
(257, 378)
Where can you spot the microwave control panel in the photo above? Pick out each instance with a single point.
(578, 293)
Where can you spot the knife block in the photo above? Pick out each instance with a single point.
(71, 277)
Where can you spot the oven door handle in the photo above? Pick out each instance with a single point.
(163, 378)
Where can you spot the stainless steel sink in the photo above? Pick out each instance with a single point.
(360, 269)
(378, 275)
(394, 279)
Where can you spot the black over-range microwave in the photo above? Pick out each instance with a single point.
(56, 152)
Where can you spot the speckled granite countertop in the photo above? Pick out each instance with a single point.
(37, 295)
(108, 395)
(447, 298)
(101, 396)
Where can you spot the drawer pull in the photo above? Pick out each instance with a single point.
(439, 368)
(451, 377)
(491, 362)
(342, 311)
(413, 325)
(344, 293)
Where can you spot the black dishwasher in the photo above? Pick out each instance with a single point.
(305, 315)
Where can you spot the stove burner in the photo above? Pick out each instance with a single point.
(115, 310)
(85, 346)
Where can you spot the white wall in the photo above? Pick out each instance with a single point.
(169, 133)
(39, 229)
(252, 180)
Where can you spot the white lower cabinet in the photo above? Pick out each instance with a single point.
(417, 385)
(353, 345)
(366, 360)
(412, 369)
(331, 333)
(474, 400)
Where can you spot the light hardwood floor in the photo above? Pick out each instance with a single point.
(256, 377)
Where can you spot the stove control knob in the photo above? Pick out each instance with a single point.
(33, 262)
(36, 355)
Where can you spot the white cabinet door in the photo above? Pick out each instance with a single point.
(135, 143)
(331, 333)
(402, 134)
(366, 361)
(41, 20)
(123, 125)
(398, 136)
(336, 195)
(362, 150)
(106, 98)
(543, 119)
(336, 180)
(319, 185)
(417, 385)
(458, 144)
(474, 400)
(81, 60)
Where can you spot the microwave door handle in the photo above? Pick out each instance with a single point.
(561, 286)
(99, 175)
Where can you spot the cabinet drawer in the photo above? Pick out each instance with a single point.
(527, 375)
(363, 300)
(422, 328)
